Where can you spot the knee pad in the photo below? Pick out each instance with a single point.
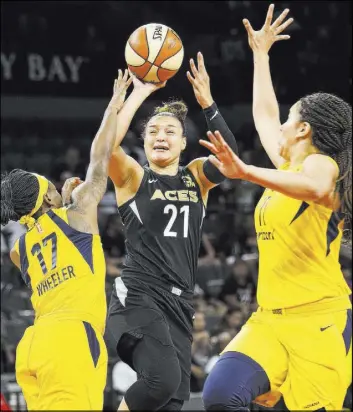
(159, 374)
(234, 382)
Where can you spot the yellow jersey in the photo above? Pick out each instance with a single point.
(65, 270)
(299, 244)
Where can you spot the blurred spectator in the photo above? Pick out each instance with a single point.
(200, 352)
(219, 343)
(231, 322)
(239, 287)
(68, 166)
(113, 238)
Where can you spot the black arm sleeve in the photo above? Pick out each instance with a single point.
(215, 121)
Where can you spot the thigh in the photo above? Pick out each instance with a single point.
(182, 341)
(258, 341)
(24, 376)
(70, 361)
(319, 349)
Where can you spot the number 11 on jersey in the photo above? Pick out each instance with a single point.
(174, 214)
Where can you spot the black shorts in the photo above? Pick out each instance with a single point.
(139, 309)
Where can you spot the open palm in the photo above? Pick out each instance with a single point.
(262, 40)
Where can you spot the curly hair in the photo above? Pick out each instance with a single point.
(175, 108)
(19, 193)
(330, 118)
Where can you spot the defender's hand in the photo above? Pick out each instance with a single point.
(200, 82)
(262, 40)
(226, 161)
(69, 186)
(121, 84)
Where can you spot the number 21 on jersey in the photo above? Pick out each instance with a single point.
(173, 211)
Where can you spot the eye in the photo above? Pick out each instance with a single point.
(170, 132)
(153, 131)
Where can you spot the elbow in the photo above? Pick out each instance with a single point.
(318, 194)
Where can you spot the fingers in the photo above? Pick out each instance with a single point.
(248, 27)
(126, 75)
(284, 26)
(213, 139)
(269, 17)
(279, 19)
(129, 81)
(283, 37)
(193, 68)
(210, 146)
(201, 63)
(219, 139)
(190, 78)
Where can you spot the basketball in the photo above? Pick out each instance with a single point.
(154, 53)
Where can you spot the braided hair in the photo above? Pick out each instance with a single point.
(174, 108)
(331, 121)
(19, 193)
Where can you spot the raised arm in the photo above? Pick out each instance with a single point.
(316, 182)
(265, 106)
(87, 195)
(123, 168)
(208, 175)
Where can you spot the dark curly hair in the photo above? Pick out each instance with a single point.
(175, 108)
(330, 118)
(19, 193)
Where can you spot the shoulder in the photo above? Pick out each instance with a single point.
(61, 212)
(195, 168)
(319, 163)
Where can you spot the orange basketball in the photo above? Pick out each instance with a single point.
(154, 53)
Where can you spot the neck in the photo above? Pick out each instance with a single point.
(169, 170)
(298, 156)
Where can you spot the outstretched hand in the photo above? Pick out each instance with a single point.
(226, 161)
(200, 82)
(148, 88)
(262, 40)
(121, 84)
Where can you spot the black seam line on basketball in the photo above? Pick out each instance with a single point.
(145, 60)
(148, 47)
(169, 70)
(166, 35)
(169, 57)
(149, 70)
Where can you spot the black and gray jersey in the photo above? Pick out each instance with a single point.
(163, 225)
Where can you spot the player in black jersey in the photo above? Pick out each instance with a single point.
(162, 207)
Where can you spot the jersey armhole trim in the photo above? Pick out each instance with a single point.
(186, 169)
(126, 204)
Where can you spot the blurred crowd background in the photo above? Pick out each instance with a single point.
(58, 63)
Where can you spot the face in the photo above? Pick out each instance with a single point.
(241, 272)
(293, 131)
(235, 319)
(53, 197)
(164, 140)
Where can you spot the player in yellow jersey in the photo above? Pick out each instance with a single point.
(298, 343)
(61, 361)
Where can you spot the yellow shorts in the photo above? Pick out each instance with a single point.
(307, 358)
(62, 365)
